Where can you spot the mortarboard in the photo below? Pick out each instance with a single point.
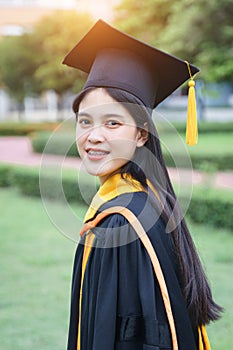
(115, 59)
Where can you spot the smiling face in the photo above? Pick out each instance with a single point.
(106, 134)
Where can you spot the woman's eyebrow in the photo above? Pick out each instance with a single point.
(112, 115)
(82, 114)
(103, 117)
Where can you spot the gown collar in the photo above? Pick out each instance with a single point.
(111, 188)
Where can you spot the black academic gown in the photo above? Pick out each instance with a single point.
(122, 307)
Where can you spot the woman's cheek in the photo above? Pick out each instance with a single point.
(81, 137)
(80, 145)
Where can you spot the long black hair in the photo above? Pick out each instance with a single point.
(148, 163)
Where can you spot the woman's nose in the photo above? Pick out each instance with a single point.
(96, 135)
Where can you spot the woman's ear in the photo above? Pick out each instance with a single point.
(142, 135)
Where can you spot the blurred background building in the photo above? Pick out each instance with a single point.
(18, 16)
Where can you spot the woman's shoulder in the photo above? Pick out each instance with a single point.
(148, 212)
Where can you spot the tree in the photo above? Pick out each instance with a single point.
(17, 67)
(204, 36)
(54, 36)
(145, 20)
(199, 31)
(32, 63)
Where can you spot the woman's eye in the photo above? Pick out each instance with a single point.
(113, 123)
(84, 122)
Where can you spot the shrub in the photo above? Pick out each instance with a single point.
(58, 143)
(202, 161)
(215, 127)
(211, 206)
(23, 129)
(5, 175)
(69, 185)
(52, 185)
(27, 180)
(207, 206)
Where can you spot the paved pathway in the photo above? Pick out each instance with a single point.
(17, 150)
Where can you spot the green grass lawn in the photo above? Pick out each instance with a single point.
(36, 268)
(215, 247)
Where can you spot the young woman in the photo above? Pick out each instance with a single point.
(117, 303)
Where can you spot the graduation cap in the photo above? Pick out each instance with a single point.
(114, 59)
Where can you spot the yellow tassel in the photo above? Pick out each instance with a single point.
(200, 341)
(205, 338)
(191, 125)
(204, 343)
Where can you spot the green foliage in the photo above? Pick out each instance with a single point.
(198, 31)
(68, 185)
(212, 207)
(5, 175)
(201, 162)
(208, 43)
(212, 163)
(22, 129)
(145, 20)
(27, 180)
(32, 63)
(18, 63)
(209, 206)
(54, 36)
(55, 143)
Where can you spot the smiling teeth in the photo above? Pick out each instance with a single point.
(97, 153)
